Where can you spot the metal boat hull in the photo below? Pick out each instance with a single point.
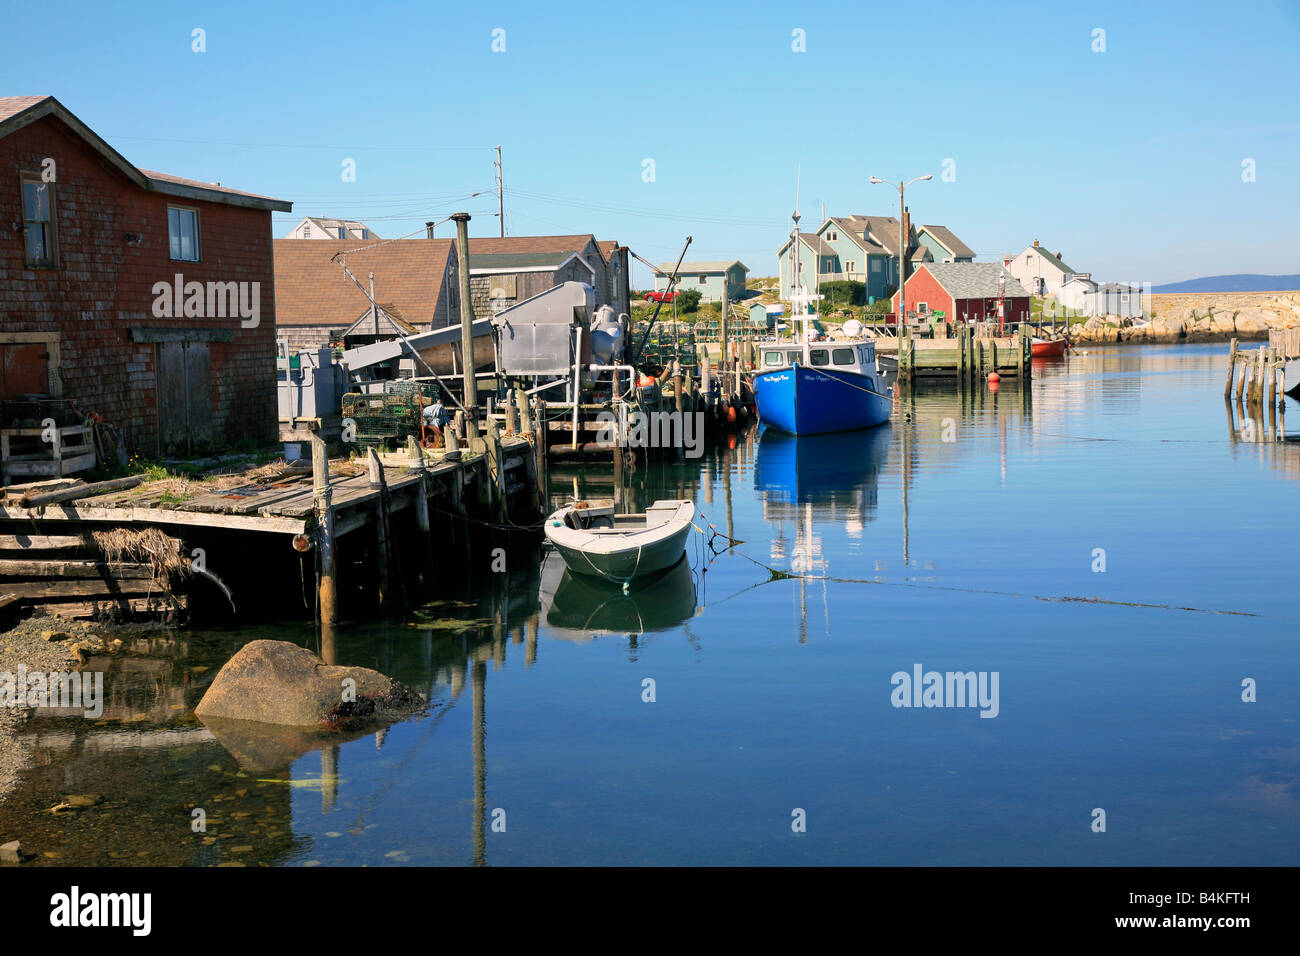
(814, 401)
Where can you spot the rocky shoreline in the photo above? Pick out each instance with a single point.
(1189, 318)
(41, 644)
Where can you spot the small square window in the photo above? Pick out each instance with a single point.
(819, 357)
(183, 233)
(842, 356)
(703, 279)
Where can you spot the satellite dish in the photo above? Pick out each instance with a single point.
(853, 328)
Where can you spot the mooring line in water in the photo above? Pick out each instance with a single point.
(778, 575)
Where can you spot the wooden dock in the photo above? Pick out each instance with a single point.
(245, 534)
(1262, 379)
(971, 353)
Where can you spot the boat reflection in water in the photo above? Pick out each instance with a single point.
(817, 479)
(578, 607)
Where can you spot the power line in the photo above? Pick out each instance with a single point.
(214, 142)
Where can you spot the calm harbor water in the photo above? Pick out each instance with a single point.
(1105, 542)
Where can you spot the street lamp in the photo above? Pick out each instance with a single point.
(902, 241)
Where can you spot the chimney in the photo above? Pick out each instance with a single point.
(428, 230)
(1057, 254)
(1035, 243)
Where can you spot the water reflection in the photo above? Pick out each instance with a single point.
(580, 608)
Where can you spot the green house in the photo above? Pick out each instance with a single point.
(710, 278)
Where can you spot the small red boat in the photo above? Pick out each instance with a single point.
(1047, 348)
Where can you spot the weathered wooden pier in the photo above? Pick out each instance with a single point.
(967, 352)
(1262, 380)
(375, 530)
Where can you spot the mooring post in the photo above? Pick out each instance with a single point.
(512, 414)
(497, 470)
(422, 510)
(470, 398)
(1241, 379)
(1232, 365)
(539, 450)
(381, 541)
(322, 499)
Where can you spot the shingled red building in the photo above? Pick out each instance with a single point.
(141, 297)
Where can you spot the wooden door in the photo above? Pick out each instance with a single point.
(24, 369)
(184, 397)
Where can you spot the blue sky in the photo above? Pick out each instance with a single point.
(1129, 161)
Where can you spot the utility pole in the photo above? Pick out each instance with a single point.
(902, 241)
(501, 195)
(466, 322)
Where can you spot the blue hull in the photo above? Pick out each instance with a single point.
(813, 401)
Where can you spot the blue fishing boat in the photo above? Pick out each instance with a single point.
(812, 388)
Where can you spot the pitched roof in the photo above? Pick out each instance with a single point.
(854, 228)
(718, 266)
(950, 241)
(311, 288)
(17, 112)
(519, 245)
(480, 263)
(325, 222)
(973, 280)
(1052, 258)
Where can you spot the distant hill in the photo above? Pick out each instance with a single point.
(1244, 282)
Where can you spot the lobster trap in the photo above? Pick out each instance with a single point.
(384, 420)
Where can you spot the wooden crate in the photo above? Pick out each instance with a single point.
(25, 453)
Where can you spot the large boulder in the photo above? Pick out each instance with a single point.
(276, 682)
(1164, 329)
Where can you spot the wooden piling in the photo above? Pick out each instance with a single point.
(1232, 366)
(496, 466)
(470, 388)
(1241, 381)
(326, 594)
(422, 511)
(382, 540)
(512, 414)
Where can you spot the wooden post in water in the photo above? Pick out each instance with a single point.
(539, 450)
(381, 540)
(1232, 366)
(1272, 376)
(322, 499)
(497, 470)
(422, 510)
(1241, 380)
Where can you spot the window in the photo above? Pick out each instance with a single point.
(306, 230)
(39, 237)
(819, 357)
(343, 232)
(923, 308)
(183, 233)
(793, 357)
(850, 267)
(832, 236)
(703, 279)
(842, 356)
(771, 358)
(875, 264)
(865, 352)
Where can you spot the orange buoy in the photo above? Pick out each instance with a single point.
(731, 442)
(994, 378)
(731, 414)
(646, 381)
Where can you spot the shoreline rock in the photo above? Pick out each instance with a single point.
(276, 682)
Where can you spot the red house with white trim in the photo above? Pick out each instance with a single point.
(964, 291)
(143, 298)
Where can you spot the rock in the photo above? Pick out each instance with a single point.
(55, 636)
(12, 852)
(1165, 329)
(81, 800)
(276, 682)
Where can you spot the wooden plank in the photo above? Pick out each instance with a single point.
(43, 542)
(158, 516)
(55, 590)
(25, 567)
(83, 491)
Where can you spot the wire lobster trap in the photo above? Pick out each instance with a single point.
(386, 419)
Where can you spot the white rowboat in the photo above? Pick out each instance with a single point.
(595, 541)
